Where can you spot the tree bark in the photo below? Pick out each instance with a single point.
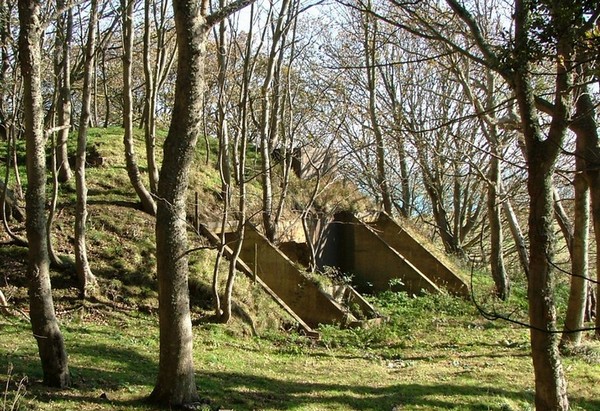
(369, 44)
(133, 171)
(154, 78)
(269, 120)
(44, 324)
(494, 179)
(149, 111)
(63, 72)
(517, 235)
(175, 383)
(586, 130)
(87, 280)
(579, 262)
(542, 152)
(499, 273)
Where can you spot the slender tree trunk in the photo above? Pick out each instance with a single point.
(65, 27)
(268, 121)
(586, 129)
(133, 171)
(55, 260)
(499, 273)
(107, 107)
(240, 172)
(579, 262)
(517, 235)
(4, 64)
(565, 224)
(150, 109)
(43, 319)
(223, 311)
(369, 44)
(87, 280)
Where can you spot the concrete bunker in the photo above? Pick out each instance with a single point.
(379, 256)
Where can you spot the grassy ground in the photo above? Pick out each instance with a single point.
(432, 353)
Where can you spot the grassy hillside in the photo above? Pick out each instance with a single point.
(431, 353)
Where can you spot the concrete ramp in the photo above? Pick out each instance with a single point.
(301, 294)
(357, 249)
(244, 268)
(293, 290)
(426, 262)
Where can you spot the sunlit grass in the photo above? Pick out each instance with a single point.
(450, 359)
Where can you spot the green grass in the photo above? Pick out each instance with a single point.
(448, 359)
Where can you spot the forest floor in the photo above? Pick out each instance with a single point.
(433, 352)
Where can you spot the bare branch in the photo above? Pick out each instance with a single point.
(226, 11)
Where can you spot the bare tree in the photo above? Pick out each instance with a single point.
(44, 324)
(62, 69)
(489, 126)
(87, 280)
(133, 171)
(586, 185)
(155, 74)
(370, 33)
(542, 140)
(175, 383)
(268, 121)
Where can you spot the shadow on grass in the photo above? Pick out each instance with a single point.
(247, 392)
(95, 387)
(115, 373)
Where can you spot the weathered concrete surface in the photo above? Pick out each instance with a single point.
(296, 290)
(399, 239)
(355, 248)
(244, 268)
(380, 256)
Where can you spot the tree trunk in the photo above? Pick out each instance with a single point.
(585, 127)
(565, 224)
(4, 64)
(240, 171)
(55, 260)
(148, 204)
(175, 384)
(87, 280)
(369, 44)
(517, 235)
(43, 320)
(105, 89)
(499, 273)
(579, 262)
(63, 72)
(542, 152)
(223, 312)
(269, 121)
(150, 104)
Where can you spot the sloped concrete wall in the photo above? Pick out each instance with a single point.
(298, 292)
(356, 249)
(244, 268)
(399, 239)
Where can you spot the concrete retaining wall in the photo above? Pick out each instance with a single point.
(427, 263)
(298, 292)
(356, 249)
